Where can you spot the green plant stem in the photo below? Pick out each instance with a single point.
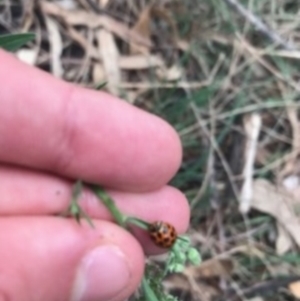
(123, 221)
(74, 208)
(137, 222)
(149, 293)
(120, 218)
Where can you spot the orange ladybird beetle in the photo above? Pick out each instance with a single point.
(163, 234)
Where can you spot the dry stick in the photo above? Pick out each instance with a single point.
(252, 126)
(170, 85)
(262, 27)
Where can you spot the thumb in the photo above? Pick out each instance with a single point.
(47, 258)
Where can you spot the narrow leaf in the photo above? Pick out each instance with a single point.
(13, 42)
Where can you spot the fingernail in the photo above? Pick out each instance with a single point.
(103, 273)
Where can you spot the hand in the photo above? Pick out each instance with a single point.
(51, 134)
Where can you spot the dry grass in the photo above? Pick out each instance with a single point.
(204, 67)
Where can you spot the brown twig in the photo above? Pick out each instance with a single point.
(261, 26)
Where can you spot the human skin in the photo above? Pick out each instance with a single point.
(51, 134)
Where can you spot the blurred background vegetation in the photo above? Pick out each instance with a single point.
(225, 74)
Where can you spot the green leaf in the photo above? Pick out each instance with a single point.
(13, 42)
(181, 257)
(74, 209)
(101, 86)
(194, 256)
(177, 268)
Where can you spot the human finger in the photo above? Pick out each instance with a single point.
(48, 258)
(25, 192)
(51, 125)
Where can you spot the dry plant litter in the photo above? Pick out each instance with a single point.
(225, 74)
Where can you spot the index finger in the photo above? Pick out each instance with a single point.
(54, 126)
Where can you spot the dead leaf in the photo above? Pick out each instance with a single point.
(173, 73)
(164, 14)
(110, 58)
(67, 4)
(139, 62)
(292, 185)
(91, 20)
(56, 47)
(142, 27)
(28, 15)
(276, 201)
(211, 268)
(103, 3)
(292, 165)
(294, 288)
(283, 241)
(177, 281)
(98, 74)
(201, 290)
(293, 118)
